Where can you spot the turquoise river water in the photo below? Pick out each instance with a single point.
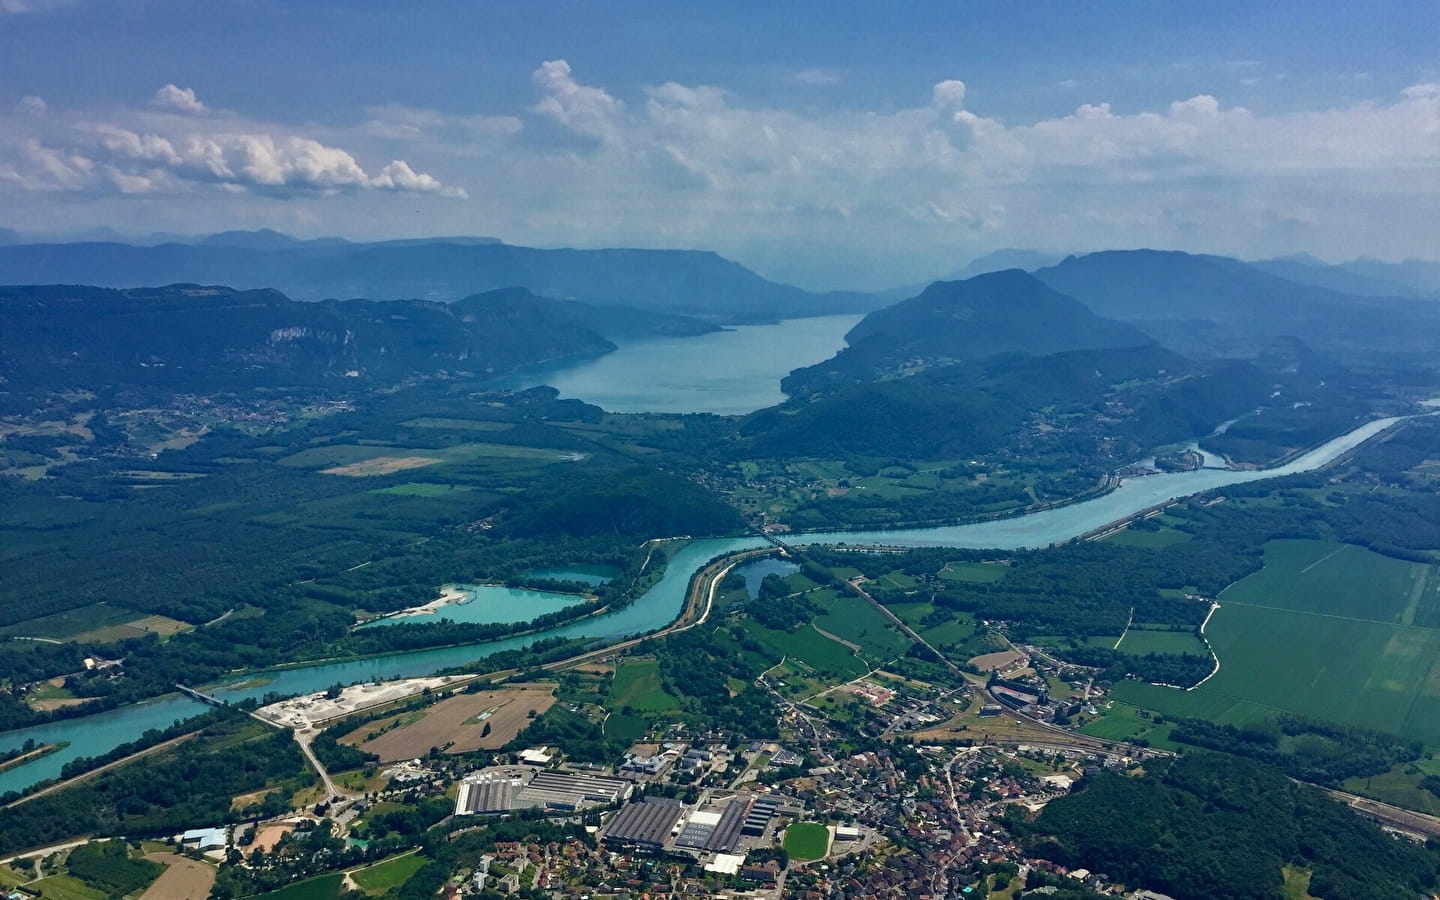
(91, 735)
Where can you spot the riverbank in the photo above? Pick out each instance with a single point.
(38, 752)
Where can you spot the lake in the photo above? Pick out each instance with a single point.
(730, 372)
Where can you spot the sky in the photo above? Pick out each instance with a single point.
(829, 144)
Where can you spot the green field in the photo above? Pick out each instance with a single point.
(973, 573)
(853, 619)
(1325, 630)
(64, 887)
(807, 840)
(808, 646)
(349, 454)
(1140, 642)
(1401, 786)
(911, 613)
(391, 873)
(64, 625)
(1124, 723)
(637, 685)
(421, 489)
(326, 887)
(1155, 540)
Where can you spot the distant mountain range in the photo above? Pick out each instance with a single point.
(680, 282)
(191, 337)
(1217, 306)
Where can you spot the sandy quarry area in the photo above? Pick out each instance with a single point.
(486, 720)
(1001, 660)
(313, 709)
(448, 594)
(381, 465)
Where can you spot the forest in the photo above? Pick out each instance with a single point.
(1207, 825)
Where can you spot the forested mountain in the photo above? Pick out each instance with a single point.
(954, 321)
(193, 336)
(1077, 405)
(1216, 306)
(683, 282)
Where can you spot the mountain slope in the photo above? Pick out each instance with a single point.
(952, 321)
(681, 282)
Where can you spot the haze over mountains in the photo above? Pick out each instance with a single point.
(185, 337)
(683, 282)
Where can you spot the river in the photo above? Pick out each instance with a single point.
(659, 606)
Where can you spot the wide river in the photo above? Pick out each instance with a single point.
(95, 734)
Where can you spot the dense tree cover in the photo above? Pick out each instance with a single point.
(1317, 752)
(1208, 825)
(186, 786)
(338, 757)
(108, 866)
(634, 501)
(1178, 669)
(697, 665)
(583, 740)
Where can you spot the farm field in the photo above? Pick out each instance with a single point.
(807, 840)
(1401, 786)
(1140, 641)
(853, 619)
(637, 686)
(182, 879)
(1125, 723)
(1356, 649)
(807, 646)
(65, 626)
(381, 877)
(382, 459)
(455, 722)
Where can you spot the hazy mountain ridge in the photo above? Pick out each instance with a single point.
(191, 335)
(682, 282)
(1217, 306)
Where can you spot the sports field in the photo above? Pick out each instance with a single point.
(807, 840)
(1326, 630)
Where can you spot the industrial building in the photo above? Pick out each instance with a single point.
(509, 788)
(646, 824)
(759, 816)
(571, 791)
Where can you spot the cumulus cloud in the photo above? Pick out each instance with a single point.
(32, 106)
(174, 154)
(179, 99)
(585, 110)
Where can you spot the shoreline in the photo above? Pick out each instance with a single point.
(37, 753)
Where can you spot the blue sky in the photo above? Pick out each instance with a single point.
(829, 143)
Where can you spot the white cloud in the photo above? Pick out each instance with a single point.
(587, 111)
(179, 99)
(32, 106)
(157, 153)
(949, 95)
